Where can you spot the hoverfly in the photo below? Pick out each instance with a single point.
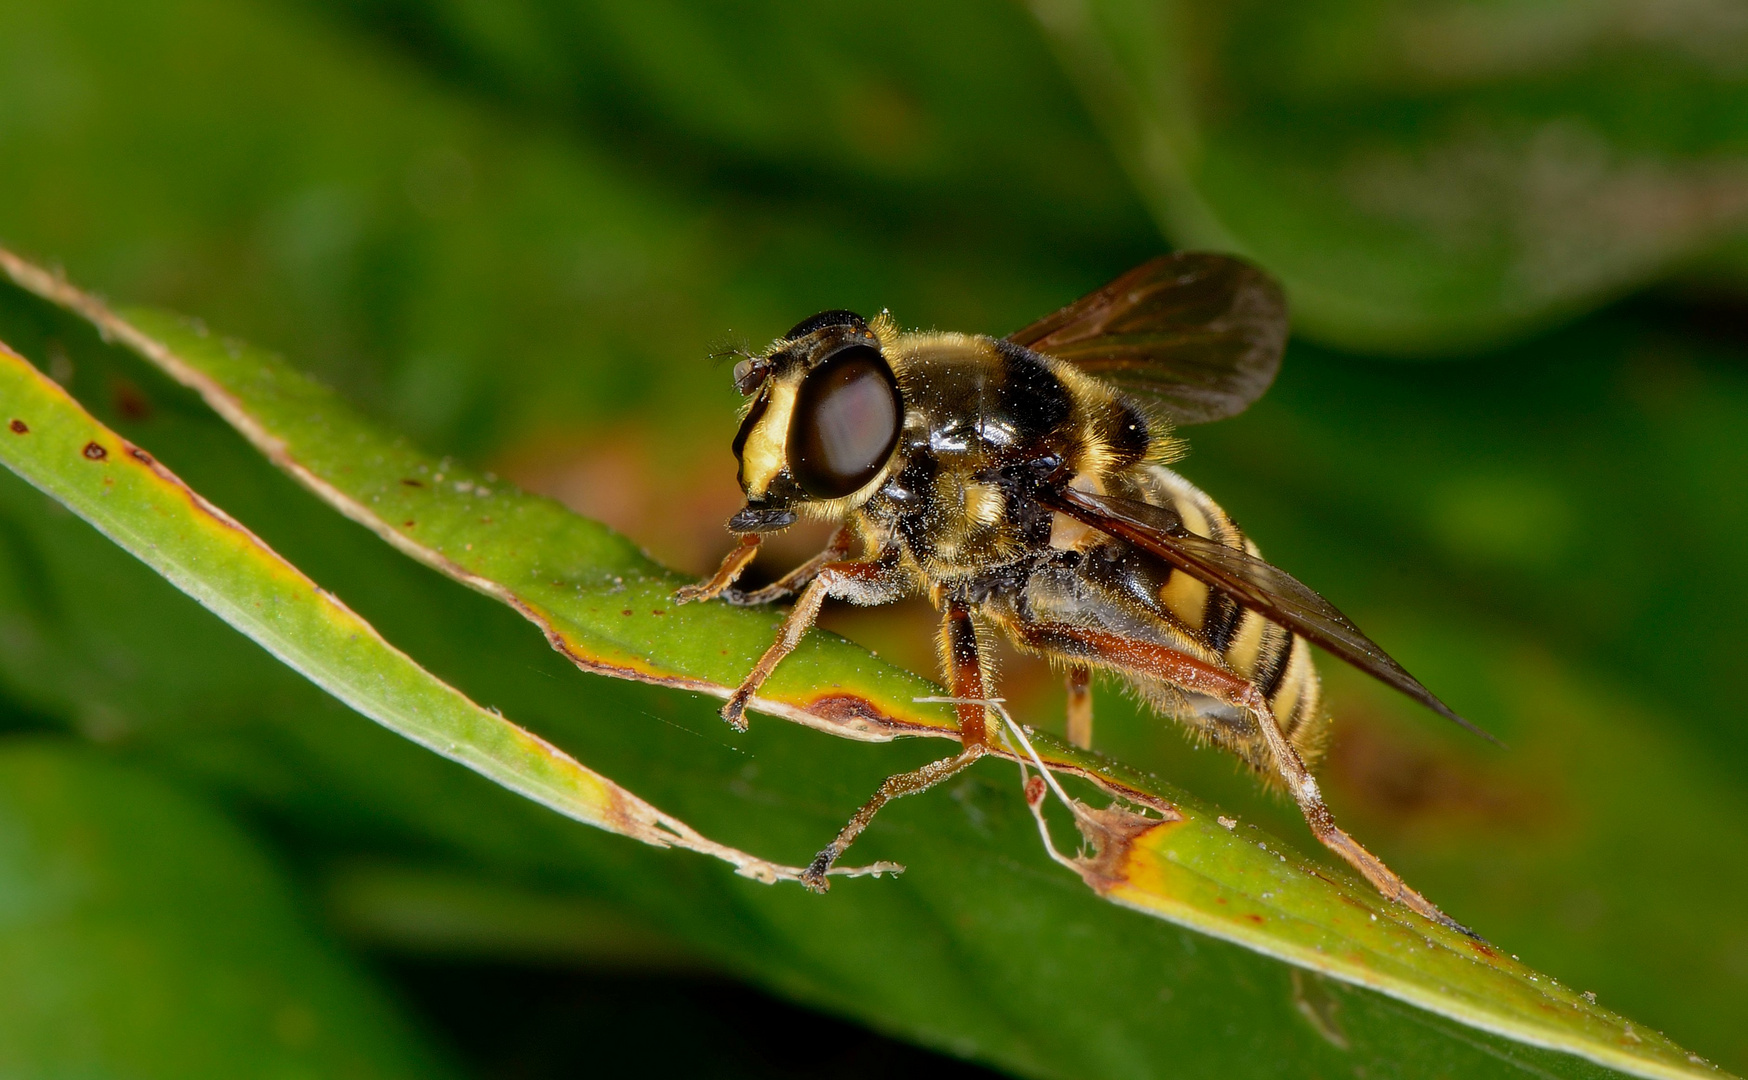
(1021, 483)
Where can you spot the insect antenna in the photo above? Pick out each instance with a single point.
(729, 349)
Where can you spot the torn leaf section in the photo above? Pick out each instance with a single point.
(1110, 834)
(595, 596)
(62, 450)
(610, 609)
(1285, 906)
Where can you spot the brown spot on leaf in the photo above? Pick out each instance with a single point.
(95, 452)
(658, 611)
(19, 427)
(410, 482)
(139, 455)
(627, 611)
(844, 708)
(1111, 834)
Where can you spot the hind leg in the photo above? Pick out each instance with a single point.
(1180, 669)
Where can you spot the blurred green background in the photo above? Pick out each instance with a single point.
(1511, 439)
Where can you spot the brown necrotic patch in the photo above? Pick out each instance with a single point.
(846, 708)
(95, 451)
(19, 427)
(1111, 834)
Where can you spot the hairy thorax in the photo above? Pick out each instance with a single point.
(986, 422)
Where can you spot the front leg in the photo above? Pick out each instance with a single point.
(879, 580)
(835, 550)
(732, 565)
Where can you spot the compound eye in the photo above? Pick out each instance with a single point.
(836, 317)
(846, 423)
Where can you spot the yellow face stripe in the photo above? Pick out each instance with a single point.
(764, 457)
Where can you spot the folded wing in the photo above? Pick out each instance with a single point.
(1265, 589)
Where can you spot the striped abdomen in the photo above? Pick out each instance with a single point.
(1276, 660)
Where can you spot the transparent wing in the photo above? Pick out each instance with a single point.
(1265, 589)
(1200, 334)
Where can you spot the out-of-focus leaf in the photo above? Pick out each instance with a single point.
(409, 229)
(588, 590)
(1426, 178)
(142, 935)
(425, 911)
(135, 501)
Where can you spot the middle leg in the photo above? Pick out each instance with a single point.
(1080, 713)
(863, 581)
(961, 657)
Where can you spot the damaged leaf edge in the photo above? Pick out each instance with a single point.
(1103, 873)
(857, 716)
(593, 799)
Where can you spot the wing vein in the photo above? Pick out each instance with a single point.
(1258, 585)
(1200, 334)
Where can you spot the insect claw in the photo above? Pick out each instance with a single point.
(1460, 928)
(814, 877)
(735, 712)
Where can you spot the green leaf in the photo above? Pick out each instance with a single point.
(589, 590)
(143, 935)
(426, 911)
(415, 216)
(1424, 179)
(145, 508)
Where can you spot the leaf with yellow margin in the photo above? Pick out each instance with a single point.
(130, 497)
(609, 608)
